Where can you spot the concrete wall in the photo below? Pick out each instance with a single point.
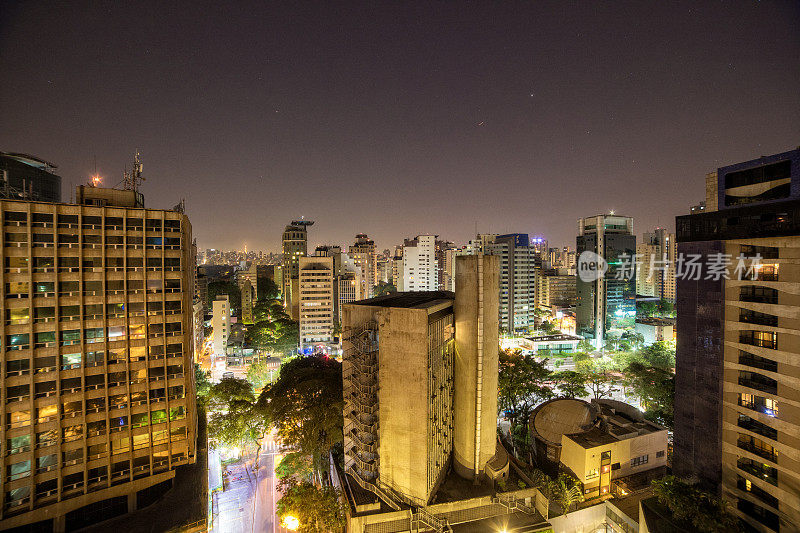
(403, 400)
(475, 394)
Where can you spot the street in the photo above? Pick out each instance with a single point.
(247, 505)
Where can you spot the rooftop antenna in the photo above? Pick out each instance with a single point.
(131, 180)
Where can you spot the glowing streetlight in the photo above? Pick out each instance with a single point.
(290, 522)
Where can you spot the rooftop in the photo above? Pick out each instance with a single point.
(409, 300)
(563, 416)
(30, 160)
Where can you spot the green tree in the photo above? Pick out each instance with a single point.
(384, 288)
(260, 373)
(202, 384)
(236, 418)
(305, 404)
(658, 355)
(566, 491)
(318, 509)
(267, 289)
(705, 511)
(597, 376)
(666, 308)
(571, 384)
(294, 464)
(273, 330)
(656, 389)
(219, 287)
(646, 309)
(584, 346)
(521, 385)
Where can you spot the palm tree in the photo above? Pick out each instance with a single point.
(565, 491)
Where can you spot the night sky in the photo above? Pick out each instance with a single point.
(401, 118)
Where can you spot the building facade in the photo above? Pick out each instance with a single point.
(363, 253)
(738, 343)
(98, 396)
(25, 176)
(606, 304)
(317, 302)
(295, 246)
(221, 324)
(656, 256)
(517, 279)
(419, 272)
(430, 412)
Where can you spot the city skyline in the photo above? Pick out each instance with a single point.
(400, 120)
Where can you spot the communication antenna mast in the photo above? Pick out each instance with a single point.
(132, 179)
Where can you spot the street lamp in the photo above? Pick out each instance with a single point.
(290, 522)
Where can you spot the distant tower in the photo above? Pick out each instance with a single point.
(295, 246)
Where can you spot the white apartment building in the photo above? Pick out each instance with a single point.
(419, 264)
(221, 323)
(316, 300)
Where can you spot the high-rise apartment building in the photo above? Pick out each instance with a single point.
(656, 256)
(317, 302)
(737, 424)
(24, 176)
(444, 265)
(98, 400)
(517, 279)
(221, 324)
(419, 265)
(295, 246)
(363, 253)
(434, 409)
(607, 303)
(248, 272)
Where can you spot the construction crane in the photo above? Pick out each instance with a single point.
(132, 179)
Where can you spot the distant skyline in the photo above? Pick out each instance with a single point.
(395, 119)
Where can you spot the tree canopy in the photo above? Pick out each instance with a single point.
(317, 509)
(223, 286)
(273, 329)
(521, 385)
(305, 404)
(384, 288)
(571, 384)
(705, 511)
(236, 418)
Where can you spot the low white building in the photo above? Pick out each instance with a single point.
(221, 324)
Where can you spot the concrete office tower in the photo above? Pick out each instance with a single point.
(419, 264)
(606, 304)
(737, 425)
(398, 444)
(476, 363)
(366, 259)
(317, 302)
(656, 273)
(98, 384)
(248, 293)
(221, 324)
(295, 246)
(28, 177)
(517, 278)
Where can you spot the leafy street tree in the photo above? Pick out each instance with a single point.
(658, 355)
(571, 384)
(294, 464)
(305, 404)
(202, 384)
(597, 376)
(318, 509)
(521, 385)
(273, 330)
(584, 346)
(260, 373)
(236, 418)
(384, 288)
(705, 511)
(656, 389)
(267, 289)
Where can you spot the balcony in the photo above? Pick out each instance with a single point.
(765, 451)
(756, 361)
(758, 382)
